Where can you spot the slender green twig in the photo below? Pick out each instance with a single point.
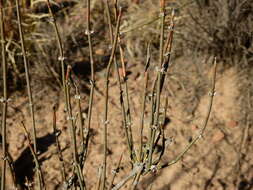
(4, 100)
(165, 64)
(167, 49)
(92, 80)
(123, 66)
(61, 58)
(128, 112)
(204, 125)
(124, 76)
(80, 118)
(31, 105)
(59, 152)
(136, 169)
(136, 179)
(100, 173)
(35, 158)
(161, 133)
(142, 153)
(71, 119)
(107, 96)
(127, 124)
(159, 76)
(115, 171)
(12, 171)
(146, 76)
(67, 99)
(152, 114)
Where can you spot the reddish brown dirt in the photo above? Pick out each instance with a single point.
(221, 160)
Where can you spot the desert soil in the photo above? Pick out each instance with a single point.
(221, 159)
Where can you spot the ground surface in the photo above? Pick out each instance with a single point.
(221, 160)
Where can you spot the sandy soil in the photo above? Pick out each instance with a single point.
(221, 160)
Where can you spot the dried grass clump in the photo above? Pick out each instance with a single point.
(72, 20)
(13, 49)
(141, 25)
(38, 36)
(222, 28)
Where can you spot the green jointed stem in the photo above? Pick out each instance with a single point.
(35, 158)
(158, 92)
(146, 77)
(27, 75)
(72, 126)
(127, 124)
(204, 125)
(59, 152)
(5, 96)
(92, 80)
(107, 96)
(67, 99)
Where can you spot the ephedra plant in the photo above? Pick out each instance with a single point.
(143, 159)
